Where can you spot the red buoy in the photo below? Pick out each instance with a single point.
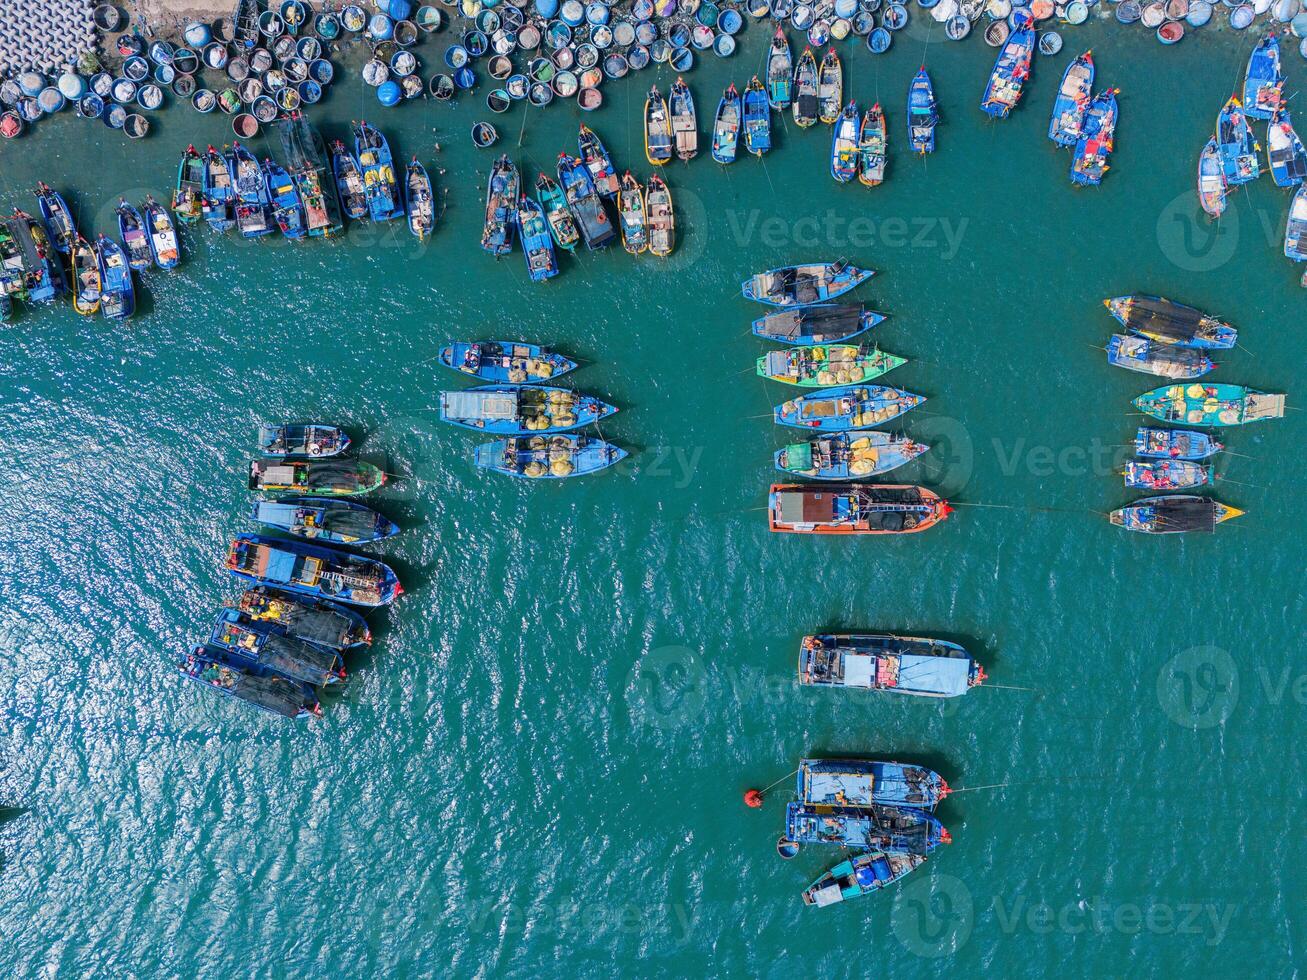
(752, 798)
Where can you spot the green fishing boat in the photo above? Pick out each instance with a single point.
(827, 365)
(1210, 404)
(319, 478)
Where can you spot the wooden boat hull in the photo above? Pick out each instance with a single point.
(1285, 155)
(131, 229)
(1210, 404)
(923, 113)
(380, 182)
(868, 782)
(1093, 151)
(1237, 145)
(547, 458)
(502, 192)
(1211, 180)
(805, 107)
(757, 119)
(826, 365)
(1011, 70)
(860, 875)
(327, 519)
(86, 278)
(1264, 79)
(317, 621)
(310, 440)
(631, 213)
(662, 217)
(855, 455)
(117, 293)
(830, 87)
(842, 409)
(851, 508)
(319, 478)
(162, 235)
(521, 410)
(537, 245)
(894, 830)
(914, 665)
(1173, 514)
(1168, 322)
(844, 145)
(822, 323)
(780, 72)
(872, 147)
(419, 201)
(584, 203)
(554, 203)
(1163, 360)
(804, 285)
(58, 218)
(505, 361)
(265, 648)
(1072, 101)
(1154, 443)
(598, 163)
(312, 570)
(684, 121)
(188, 197)
(726, 127)
(277, 695)
(657, 129)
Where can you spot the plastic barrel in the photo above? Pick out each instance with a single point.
(51, 99)
(197, 35)
(381, 27)
(72, 86)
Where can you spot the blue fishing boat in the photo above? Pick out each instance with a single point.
(1263, 81)
(1212, 184)
(848, 456)
(584, 203)
(1168, 322)
(804, 285)
(312, 570)
(860, 875)
(286, 208)
(302, 439)
(780, 71)
(684, 120)
(502, 191)
(1093, 151)
(253, 205)
(820, 323)
(892, 829)
(505, 361)
(58, 218)
(726, 126)
(844, 145)
(1150, 357)
(162, 234)
(842, 409)
(188, 196)
(916, 665)
(1173, 514)
(1238, 146)
(117, 295)
(806, 108)
(1011, 69)
(232, 676)
(266, 648)
(554, 204)
(419, 201)
(219, 192)
(1295, 229)
(868, 782)
(923, 113)
(1073, 97)
(379, 181)
(547, 458)
(317, 621)
(1284, 150)
(757, 118)
(521, 410)
(42, 272)
(305, 153)
(1154, 443)
(598, 164)
(1167, 474)
(538, 246)
(324, 519)
(349, 182)
(136, 243)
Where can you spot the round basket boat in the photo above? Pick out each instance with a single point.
(250, 89)
(565, 84)
(406, 33)
(404, 63)
(353, 19)
(441, 87)
(1241, 16)
(124, 90)
(245, 126)
(819, 34)
(1041, 9)
(238, 69)
(264, 109)
(271, 24)
(115, 116)
(587, 55)
(1050, 43)
(517, 86)
(183, 86)
(483, 134)
(541, 69)
(879, 40)
(528, 38)
(646, 33)
(465, 77)
(11, 124)
(311, 92)
(601, 37)
(282, 49)
(327, 26)
(1299, 26)
(682, 59)
(136, 68)
(589, 99)
(498, 100)
(130, 44)
(204, 100)
(996, 33)
(787, 848)
(1200, 12)
(955, 28)
(164, 74)
(288, 99)
(322, 71)
(638, 57)
(31, 111)
(51, 100)
(615, 66)
(802, 17)
(428, 18)
(1153, 14)
(90, 106)
(135, 125)
(161, 52)
(101, 85)
(476, 43)
(274, 81)
(108, 18)
(216, 56)
(540, 94)
(500, 67)
(1077, 12)
(1170, 32)
(149, 96)
(723, 45)
(309, 48)
(895, 17)
(186, 62)
(229, 101)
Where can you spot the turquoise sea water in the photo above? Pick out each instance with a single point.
(539, 765)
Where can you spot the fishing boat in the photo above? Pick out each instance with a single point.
(824, 365)
(42, 272)
(520, 410)
(1238, 146)
(162, 235)
(554, 204)
(830, 87)
(131, 228)
(420, 202)
(842, 409)
(1093, 152)
(868, 782)
(1164, 360)
(379, 181)
(1211, 179)
(662, 219)
(309, 166)
(268, 649)
(780, 71)
(598, 163)
(853, 508)
(726, 127)
(219, 192)
(322, 478)
(872, 140)
(313, 570)
(216, 670)
(1295, 229)
(302, 439)
(630, 211)
(287, 211)
(1169, 322)
(315, 621)
(822, 323)
(891, 829)
(349, 182)
(505, 361)
(188, 197)
(1073, 99)
(685, 124)
(917, 665)
(1167, 474)
(537, 245)
(253, 205)
(805, 107)
(584, 202)
(804, 285)
(657, 129)
(502, 192)
(1154, 443)
(1210, 404)
(58, 218)
(757, 118)
(923, 114)
(1173, 514)
(547, 458)
(844, 145)
(245, 24)
(13, 277)
(85, 265)
(848, 455)
(117, 295)
(860, 875)
(324, 519)
(1264, 80)
(1011, 69)
(1284, 150)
